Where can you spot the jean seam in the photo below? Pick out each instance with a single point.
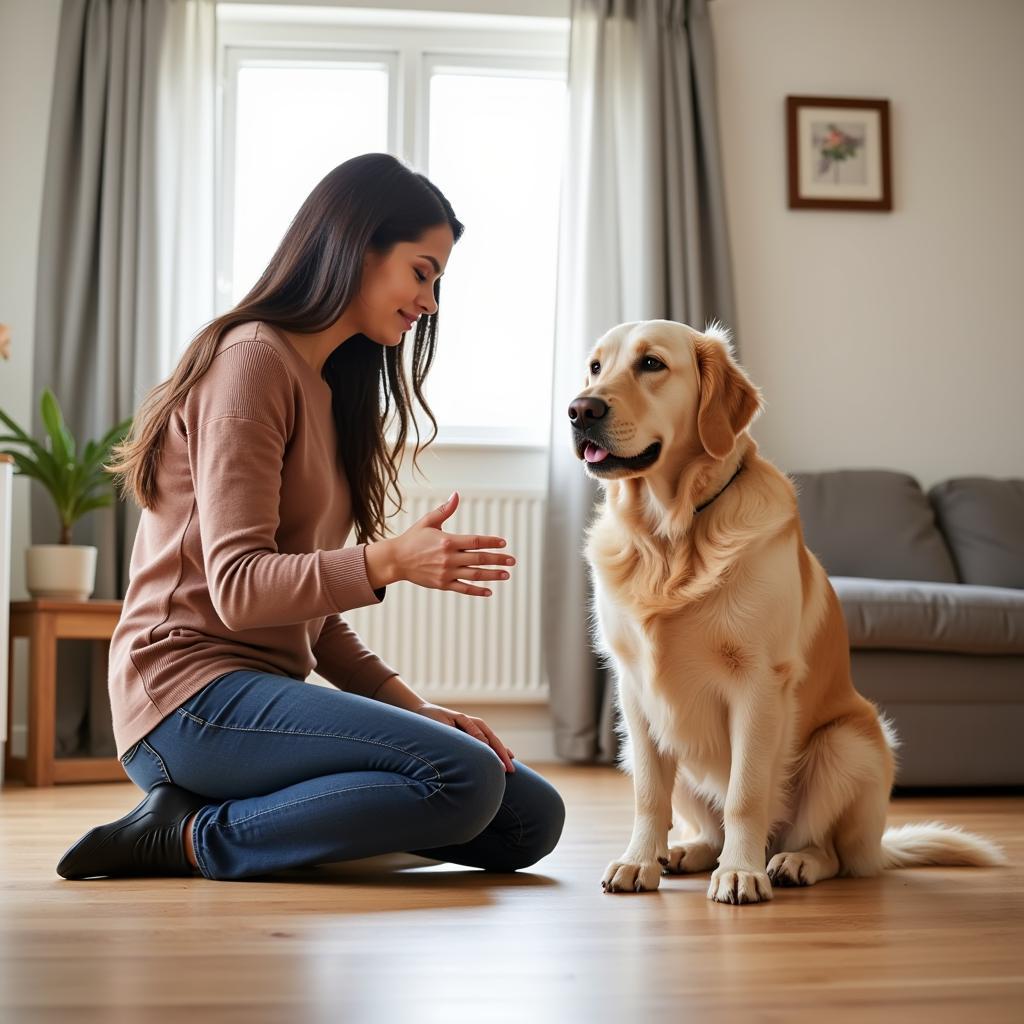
(197, 846)
(320, 796)
(160, 761)
(314, 735)
(519, 822)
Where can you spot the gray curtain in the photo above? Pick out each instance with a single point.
(643, 236)
(125, 269)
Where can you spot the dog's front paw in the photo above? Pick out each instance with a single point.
(688, 858)
(734, 885)
(628, 876)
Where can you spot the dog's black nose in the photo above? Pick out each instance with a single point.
(584, 411)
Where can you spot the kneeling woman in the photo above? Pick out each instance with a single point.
(251, 464)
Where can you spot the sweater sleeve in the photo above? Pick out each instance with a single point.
(238, 426)
(343, 660)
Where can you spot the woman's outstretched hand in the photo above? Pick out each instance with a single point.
(474, 726)
(429, 557)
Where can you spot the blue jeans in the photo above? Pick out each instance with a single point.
(299, 774)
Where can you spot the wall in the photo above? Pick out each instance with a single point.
(882, 339)
(28, 54)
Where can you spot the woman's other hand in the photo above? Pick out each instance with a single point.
(474, 726)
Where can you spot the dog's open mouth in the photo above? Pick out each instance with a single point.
(601, 460)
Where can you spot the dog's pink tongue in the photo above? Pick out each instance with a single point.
(594, 454)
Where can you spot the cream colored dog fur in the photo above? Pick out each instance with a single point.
(738, 712)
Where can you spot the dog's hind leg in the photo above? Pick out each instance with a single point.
(858, 834)
(838, 823)
(804, 867)
(702, 852)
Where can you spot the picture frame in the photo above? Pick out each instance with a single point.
(838, 151)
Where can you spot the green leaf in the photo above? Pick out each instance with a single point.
(43, 472)
(61, 438)
(85, 504)
(12, 426)
(41, 468)
(25, 466)
(34, 445)
(77, 485)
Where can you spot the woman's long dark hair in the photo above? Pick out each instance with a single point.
(370, 202)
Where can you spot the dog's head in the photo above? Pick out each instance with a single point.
(659, 392)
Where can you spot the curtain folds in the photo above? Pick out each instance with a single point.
(126, 249)
(642, 236)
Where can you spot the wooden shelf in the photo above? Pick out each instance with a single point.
(44, 622)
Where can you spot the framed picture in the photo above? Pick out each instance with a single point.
(838, 153)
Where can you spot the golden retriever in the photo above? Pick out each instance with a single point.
(738, 712)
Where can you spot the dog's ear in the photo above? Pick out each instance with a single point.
(729, 401)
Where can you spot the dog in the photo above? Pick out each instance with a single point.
(734, 697)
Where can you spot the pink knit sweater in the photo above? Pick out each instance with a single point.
(241, 565)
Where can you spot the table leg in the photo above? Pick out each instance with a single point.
(42, 701)
(8, 757)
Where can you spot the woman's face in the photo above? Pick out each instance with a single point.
(398, 288)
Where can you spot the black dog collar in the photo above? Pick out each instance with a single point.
(708, 502)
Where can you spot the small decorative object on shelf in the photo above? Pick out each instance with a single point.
(78, 484)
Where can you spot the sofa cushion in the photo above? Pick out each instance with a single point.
(982, 519)
(958, 617)
(874, 523)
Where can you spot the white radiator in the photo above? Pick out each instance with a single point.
(450, 646)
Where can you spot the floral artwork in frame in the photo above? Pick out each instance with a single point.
(838, 153)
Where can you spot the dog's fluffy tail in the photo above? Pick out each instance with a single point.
(934, 843)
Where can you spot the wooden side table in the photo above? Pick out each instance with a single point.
(45, 622)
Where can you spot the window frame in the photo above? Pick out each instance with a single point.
(252, 56)
(411, 45)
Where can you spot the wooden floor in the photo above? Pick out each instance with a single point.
(446, 944)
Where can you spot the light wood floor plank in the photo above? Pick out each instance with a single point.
(369, 942)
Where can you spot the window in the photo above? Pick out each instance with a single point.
(475, 102)
(321, 113)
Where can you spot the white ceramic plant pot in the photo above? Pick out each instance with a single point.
(61, 572)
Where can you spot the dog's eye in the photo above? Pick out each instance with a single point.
(650, 363)
(595, 368)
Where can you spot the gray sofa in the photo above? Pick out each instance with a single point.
(932, 587)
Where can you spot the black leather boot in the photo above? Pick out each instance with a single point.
(146, 841)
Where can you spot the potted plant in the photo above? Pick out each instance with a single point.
(78, 484)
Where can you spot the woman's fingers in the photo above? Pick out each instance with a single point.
(468, 725)
(478, 574)
(483, 732)
(498, 747)
(474, 559)
(482, 574)
(467, 572)
(465, 588)
(474, 542)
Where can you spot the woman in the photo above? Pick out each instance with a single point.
(251, 464)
